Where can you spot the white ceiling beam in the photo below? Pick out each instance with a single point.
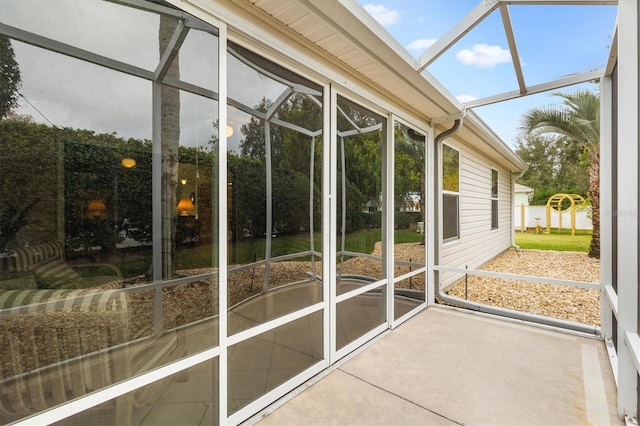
(480, 12)
(171, 51)
(150, 7)
(562, 2)
(72, 51)
(540, 88)
(513, 47)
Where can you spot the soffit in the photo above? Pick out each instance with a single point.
(351, 36)
(354, 41)
(359, 43)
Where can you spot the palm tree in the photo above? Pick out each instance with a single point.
(578, 120)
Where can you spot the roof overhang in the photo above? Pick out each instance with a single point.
(353, 39)
(343, 33)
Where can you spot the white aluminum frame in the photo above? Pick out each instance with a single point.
(222, 227)
(431, 239)
(427, 206)
(627, 214)
(622, 306)
(608, 306)
(266, 45)
(388, 187)
(477, 15)
(336, 354)
(88, 401)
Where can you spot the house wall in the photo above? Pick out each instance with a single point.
(478, 243)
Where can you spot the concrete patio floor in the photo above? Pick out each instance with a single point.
(446, 366)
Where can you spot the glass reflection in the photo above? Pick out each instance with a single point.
(360, 141)
(199, 60)
(408, 294)
(274, 191)
(126, 34)
(409, 218)
(262, 363)
(189, 397)
(82, 301)
(360, 314)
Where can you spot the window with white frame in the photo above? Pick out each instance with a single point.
(450, 193)
(494, 199)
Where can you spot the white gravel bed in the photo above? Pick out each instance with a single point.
(568, 303)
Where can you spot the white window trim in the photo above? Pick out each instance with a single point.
(496, 198)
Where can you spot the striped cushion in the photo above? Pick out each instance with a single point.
(25, 258)
(24, 301)
(55, 273)
(14, 298)
(41, 328)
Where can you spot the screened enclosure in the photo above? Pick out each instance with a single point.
(134, 209)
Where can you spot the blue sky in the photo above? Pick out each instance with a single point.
(553, 41)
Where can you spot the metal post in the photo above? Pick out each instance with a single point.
(466, 284)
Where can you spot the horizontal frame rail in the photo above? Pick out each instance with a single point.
(532, 278)
(612, 299)
(515, 314)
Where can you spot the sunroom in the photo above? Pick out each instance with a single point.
(317, 220)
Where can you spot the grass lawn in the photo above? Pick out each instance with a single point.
(248, 250)
(363, 241)
(555, 241)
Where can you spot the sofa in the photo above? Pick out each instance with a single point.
(63, 343)
(43, 266)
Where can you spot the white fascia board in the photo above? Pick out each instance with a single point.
(472, 19)
(352, 21)
(374, 26)
(539, 88)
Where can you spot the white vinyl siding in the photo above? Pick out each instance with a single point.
(478, 243)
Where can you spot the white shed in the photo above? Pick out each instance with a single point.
(522, 196)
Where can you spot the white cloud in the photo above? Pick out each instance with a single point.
(421, 44)
(382, 14)
(466, 98)
(484, 56)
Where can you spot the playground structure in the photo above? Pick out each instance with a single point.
(555, 202)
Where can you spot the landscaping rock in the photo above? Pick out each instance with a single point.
(567, 303)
